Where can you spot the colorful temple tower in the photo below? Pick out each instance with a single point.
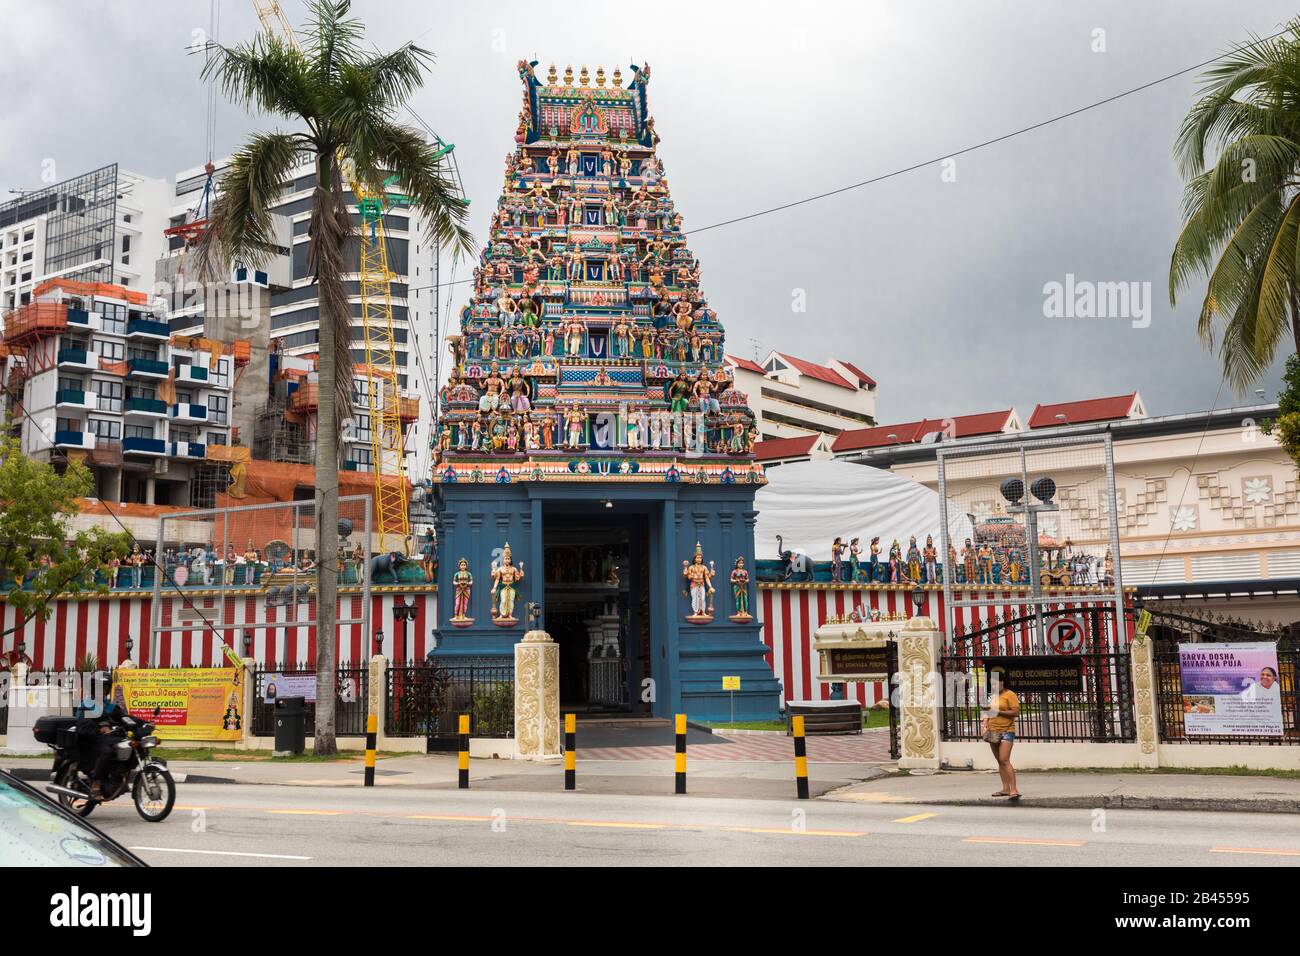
(594, 459)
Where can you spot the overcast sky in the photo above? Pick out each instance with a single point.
(933, 287)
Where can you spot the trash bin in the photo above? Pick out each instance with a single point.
(290, 725)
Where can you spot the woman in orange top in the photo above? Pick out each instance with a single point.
(1000, 733)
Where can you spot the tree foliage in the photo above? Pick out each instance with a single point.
(39, 547)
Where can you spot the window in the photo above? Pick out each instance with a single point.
(110, 351)
(67, 425)
(184, 397)
(184, 433)
(361, 391)
(142, 391)
(216, 438)
(105, 429)
(222, 374)
(363, 458)
(363, 428)
(139, 431)
(110, 395)
(218, 409)
(113, 317)
(69, 384)
(143, 353)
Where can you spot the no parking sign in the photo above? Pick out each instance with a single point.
(1065, 635)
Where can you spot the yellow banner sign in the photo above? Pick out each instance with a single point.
(731, 683)
(186, 703)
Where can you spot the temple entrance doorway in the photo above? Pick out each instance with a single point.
(596, 606)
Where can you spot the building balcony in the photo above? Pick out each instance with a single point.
(189, 412)
(147, 329)
(188, 449)
(306, 397)
(83, 440)
(146, 368)
(79, 317)
(77, 358)
(193, 374)
(154, 447)
(152, 407)
(75, 398)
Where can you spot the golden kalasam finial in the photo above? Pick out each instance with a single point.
(550, 76)
(568, 76)
(600, 76)
(583, 78)
(618, 78)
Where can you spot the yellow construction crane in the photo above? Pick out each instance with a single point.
(387, 435)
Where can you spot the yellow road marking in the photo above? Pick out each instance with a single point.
(789, 831)
(1250, 849)
(916, 818)
(310, 813)
(1024, 842)
(615, 824)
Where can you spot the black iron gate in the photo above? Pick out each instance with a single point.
(1099, 708)
(891, 694)
(426, 699)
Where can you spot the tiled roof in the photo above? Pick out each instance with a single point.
(775, 448)
(1089, 410)
(962, 426)
(863, 377)
(746, 364)
(819, 372)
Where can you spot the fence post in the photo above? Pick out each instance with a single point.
(920, 696)
(377, 694)
(249, 702)
(1145, 700)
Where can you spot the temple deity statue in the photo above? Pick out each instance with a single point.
(504, 578)
(463, 586)
(930, 554)
(699, 579)
(740, 591)
(913, 561)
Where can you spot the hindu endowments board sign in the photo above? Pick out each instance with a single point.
(1230, 690)
(192, 703)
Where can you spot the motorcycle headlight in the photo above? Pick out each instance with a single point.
(148, 742)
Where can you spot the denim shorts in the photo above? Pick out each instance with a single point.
(1004, 736)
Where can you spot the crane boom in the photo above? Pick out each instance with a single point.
(383, 387)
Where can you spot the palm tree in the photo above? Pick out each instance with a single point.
(1241, 214)
(343, 102)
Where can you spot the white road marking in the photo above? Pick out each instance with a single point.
(178, 849)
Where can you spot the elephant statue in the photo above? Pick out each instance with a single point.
(796, 563)
(386, 564)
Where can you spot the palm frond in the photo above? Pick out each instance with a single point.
(241, 225)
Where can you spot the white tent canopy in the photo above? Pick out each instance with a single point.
(811, 503)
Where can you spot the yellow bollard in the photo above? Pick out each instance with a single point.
(463, 772)
(680, 757)
(372, 733)
(800, 758)
(570, 752)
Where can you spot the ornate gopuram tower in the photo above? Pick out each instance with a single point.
(591, 425)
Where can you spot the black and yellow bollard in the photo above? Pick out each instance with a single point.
(800, 758)
(372, 732)
(570, 751)
(462, 774)
(680, 758)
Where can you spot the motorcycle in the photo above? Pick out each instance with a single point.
(134, 767)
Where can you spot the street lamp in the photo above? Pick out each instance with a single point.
(918, 600)
(248, 642)
(379, 641)
(403, 612)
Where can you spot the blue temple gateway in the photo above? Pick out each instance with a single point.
(594, 461)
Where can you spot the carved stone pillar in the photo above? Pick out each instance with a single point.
(1144, 701)
(376, 694)
(919, 695)
(537, 697)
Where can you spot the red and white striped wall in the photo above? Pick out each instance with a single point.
(791, 616)
(100, 625)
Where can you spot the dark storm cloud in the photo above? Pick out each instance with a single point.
(934, 287)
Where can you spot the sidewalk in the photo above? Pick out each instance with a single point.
(1125, 790)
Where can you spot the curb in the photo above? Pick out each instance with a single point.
(1116, 802)
(42, 775)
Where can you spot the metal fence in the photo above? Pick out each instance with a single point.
(1100, 711)
(351, 689)
(425, 699)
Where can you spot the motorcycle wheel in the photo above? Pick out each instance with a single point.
(68, 778)
(154, 794)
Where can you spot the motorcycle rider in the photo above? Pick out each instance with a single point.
(104, 731)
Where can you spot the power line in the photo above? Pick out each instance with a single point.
(985, 143)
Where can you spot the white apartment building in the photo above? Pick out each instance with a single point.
(796, 398)
(295, 307)
(101, 382)
(103, 226)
